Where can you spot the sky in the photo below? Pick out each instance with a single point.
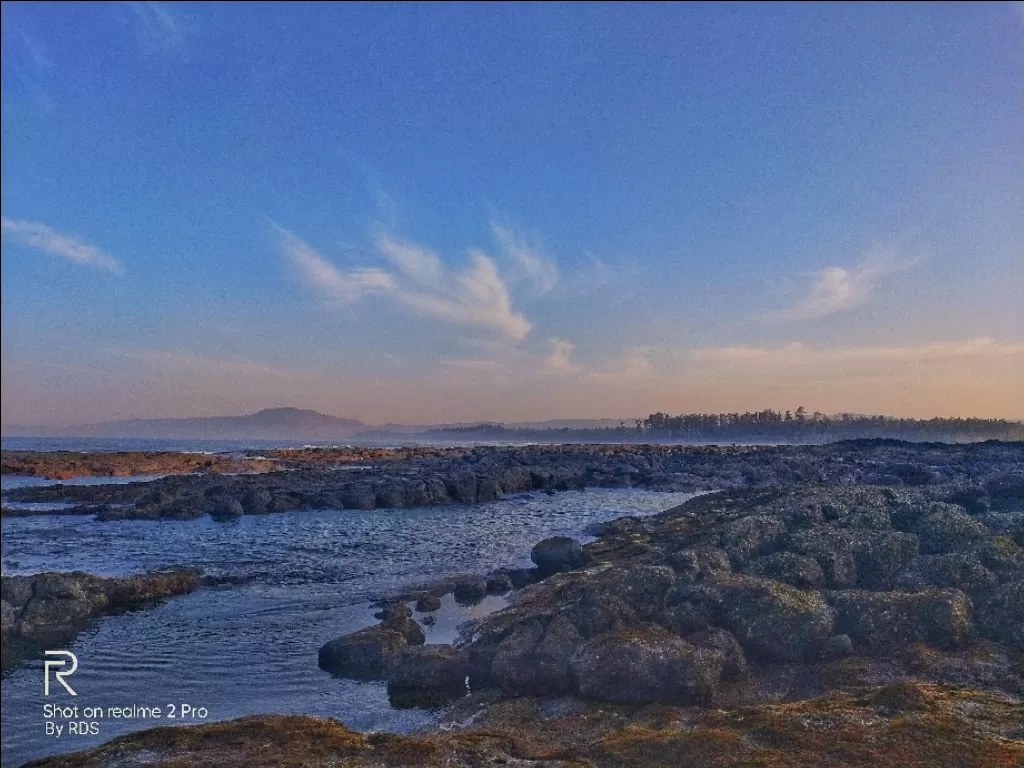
(428, 213)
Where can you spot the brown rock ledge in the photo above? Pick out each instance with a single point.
(905, 724)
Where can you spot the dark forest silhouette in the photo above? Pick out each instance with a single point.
(767, 426)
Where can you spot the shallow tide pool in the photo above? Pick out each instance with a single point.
(253, 648)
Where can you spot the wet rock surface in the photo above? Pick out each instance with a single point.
(51, 608)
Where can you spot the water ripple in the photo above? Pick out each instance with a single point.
(253, 648)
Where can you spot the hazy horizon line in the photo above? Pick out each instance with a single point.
(630, 420)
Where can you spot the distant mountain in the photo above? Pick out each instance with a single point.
(283, 424)
(268, 424)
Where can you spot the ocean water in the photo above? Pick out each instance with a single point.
(114, 444)
(194, 445)
(253, 648)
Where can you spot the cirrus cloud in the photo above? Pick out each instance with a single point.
(475, 295)
(44, 238)
(839, 289)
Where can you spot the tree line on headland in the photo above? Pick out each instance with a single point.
(766, 426)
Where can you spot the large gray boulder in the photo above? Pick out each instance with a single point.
(552, 657)
(884, 620)
(948, 528)
(426, 675)
(697, 563)
(774, 621)
(790, 568)
(225, 509)
(512, 665)
(751, 537)
(1000, 614)
(962, 571)
(833, 549)
(257, 501)
(646, 665)
(558, 554)
(643, 588)
(879, 556)
(362, 655)
(365, 654)
(734, 663)
(470, 590)
(534, 658)
(595, 611)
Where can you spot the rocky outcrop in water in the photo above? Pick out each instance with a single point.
(50, 608)
(981, 478)
(798, 576)
(844, 625)
(366, 654)
(730, 588)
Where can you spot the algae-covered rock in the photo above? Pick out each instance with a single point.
(1000, 614)
(646, 664)
(948, 528)
(879, 620)
(774, 621)
(790, 568)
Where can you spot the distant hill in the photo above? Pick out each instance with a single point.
(268, 424)
(462, 426)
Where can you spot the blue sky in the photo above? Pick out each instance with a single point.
(457, 212)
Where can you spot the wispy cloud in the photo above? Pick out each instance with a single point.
(156, 28)
(44, 238)
(838, 289)
(560, 358)
(796, 354)
(476, 295)
(531, 265)
(27, 57)
(321, 275)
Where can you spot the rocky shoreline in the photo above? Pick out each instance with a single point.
(800, 625)
(363, 479)
(49, 609)
(730, 586)
(64, 465)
